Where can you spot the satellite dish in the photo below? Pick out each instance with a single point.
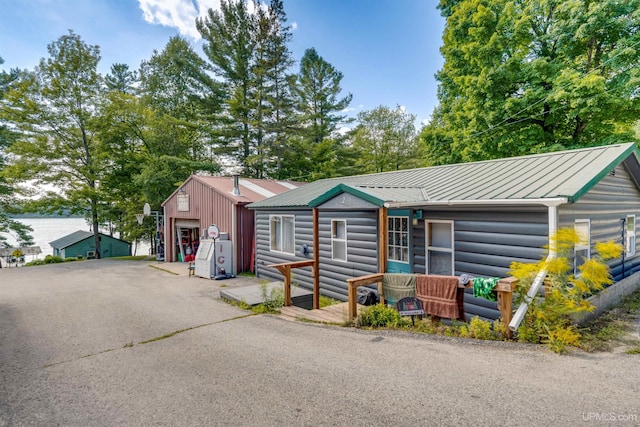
(147, 209)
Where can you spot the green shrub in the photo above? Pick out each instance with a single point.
(480, 329)
(379, 316)
(51, 259)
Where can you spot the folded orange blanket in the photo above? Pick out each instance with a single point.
(438, 295)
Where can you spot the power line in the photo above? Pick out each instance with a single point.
(506, 122)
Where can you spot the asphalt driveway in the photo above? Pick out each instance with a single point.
(119, 343)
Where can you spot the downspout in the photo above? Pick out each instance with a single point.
(236, 247)
(539, 279)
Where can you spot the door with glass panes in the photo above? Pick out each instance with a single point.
(399, 236)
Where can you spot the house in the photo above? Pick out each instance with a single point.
(474, 218)
(205, 200)
(82, 243)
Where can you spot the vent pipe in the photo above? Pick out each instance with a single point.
(236, 185)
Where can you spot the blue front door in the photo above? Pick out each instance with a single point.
(399, 241)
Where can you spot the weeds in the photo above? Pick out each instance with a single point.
(634, 350)
(612, 327)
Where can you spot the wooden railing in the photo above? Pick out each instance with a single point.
(504, 289)
(285, 269)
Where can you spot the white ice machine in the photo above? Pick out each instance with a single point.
(214, 257)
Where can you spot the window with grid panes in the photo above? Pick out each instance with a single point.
(398, 243)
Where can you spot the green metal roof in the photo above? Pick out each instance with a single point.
(75, 237)
(563, 174)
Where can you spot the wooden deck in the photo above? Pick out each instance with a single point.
(335, 314)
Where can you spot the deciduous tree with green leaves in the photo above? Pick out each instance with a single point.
(56, 108)
(8, 189)
(530, 76)
(386, 139)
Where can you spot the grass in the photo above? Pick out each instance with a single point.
(634, 350)
(136, 258)
(162, 269)
(246, 274)
(614, 327)
(326, 301)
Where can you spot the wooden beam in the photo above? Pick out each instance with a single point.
(285, 269)
(352, 288)
(316, 259)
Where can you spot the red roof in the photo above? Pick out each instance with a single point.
(251, 190)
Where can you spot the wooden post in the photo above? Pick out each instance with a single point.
(285, 270)
(353, 301)
(287, 285)
(383, 238)
(352, 289)
(505, 288)
(315, 270)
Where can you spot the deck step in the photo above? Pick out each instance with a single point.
(336, 314)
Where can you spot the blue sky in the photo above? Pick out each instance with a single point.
(388, 50)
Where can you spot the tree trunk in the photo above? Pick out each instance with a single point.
(95, 226)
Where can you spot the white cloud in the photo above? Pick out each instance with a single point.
(352, 109)
(294, 26)
(179, 14)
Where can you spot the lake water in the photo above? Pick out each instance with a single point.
(47, 230)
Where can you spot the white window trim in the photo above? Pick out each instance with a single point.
(334, 239)
(389, 245)
(630, 251)
(282, 233)
(428, 247)
(582, 247)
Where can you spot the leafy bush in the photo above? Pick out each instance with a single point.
(480, 329)
(49, 259)
(549, 319)
(379, 316)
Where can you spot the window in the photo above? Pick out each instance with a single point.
(630, 240)
(582, 249)
(339, 239)
(398, 248)
(440, 247)
(281, 229)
